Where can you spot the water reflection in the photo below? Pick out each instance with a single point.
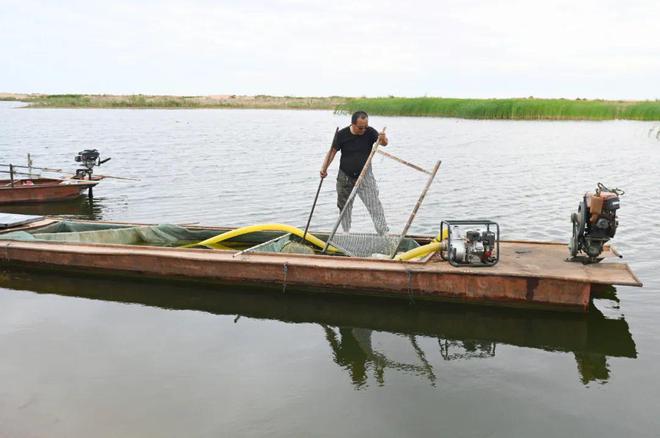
(352, 349)
(467, 349)
(432, 333)
(82, 207)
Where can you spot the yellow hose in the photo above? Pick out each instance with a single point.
(420, 251)
(423, 250)
(262, 227)
(445, 234)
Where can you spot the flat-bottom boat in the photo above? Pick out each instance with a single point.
(529, 274)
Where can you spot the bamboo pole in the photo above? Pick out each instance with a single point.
(407, 163)
(31, 167)
(118, 177)
(17, 173)
(309, 220)
(417, 205)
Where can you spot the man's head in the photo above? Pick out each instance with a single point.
(360, 122)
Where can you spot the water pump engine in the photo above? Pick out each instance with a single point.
(88, 159)
(470, 242)
(594, 223)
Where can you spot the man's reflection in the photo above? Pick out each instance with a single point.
(592, 367)
(352, 350)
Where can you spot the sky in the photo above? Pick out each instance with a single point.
(446, 48)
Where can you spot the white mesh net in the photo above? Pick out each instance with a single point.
(364, 244)
(384, 200)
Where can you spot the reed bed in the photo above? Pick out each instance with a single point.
(510, 109)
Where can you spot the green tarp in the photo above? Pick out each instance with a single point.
(159, 235)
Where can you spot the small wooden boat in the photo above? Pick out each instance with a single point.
(531, 274)
(33, 190)
(24, 187)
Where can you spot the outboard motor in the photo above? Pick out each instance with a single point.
(594, 223)
(88, 159)
(470, 242)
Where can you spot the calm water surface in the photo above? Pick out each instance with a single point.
(88, 356)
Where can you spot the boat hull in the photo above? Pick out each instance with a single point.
(42, 191)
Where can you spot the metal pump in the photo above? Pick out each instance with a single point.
(470, 242)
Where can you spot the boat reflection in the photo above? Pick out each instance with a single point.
(426, 334)
(82, 207)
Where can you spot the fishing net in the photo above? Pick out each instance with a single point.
(159, 235)
(293, 247)
(387, 199)
(365, 244)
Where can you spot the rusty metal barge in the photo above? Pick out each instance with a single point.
(529, 274)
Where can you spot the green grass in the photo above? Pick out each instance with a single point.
(514, 109)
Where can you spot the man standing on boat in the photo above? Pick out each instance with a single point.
(355, 143)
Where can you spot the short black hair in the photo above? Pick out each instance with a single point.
(358, 115)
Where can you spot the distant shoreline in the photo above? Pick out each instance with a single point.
(497, 109)
(183, 102)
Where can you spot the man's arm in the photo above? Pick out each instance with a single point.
(326, 162)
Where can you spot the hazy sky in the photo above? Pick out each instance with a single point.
(473, 48)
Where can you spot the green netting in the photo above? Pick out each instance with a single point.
(158, 235)
(285, 244)
(273, 245)
(68, 227)
(373, 245)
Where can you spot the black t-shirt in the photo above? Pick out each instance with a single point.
(355, 149)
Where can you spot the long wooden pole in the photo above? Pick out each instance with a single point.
(417, 205)
(309, 219)
(18, 173)
(31, 167)
(117, 177)
(407, 163)
(374, 149)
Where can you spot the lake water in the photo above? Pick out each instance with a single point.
(88, 356)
